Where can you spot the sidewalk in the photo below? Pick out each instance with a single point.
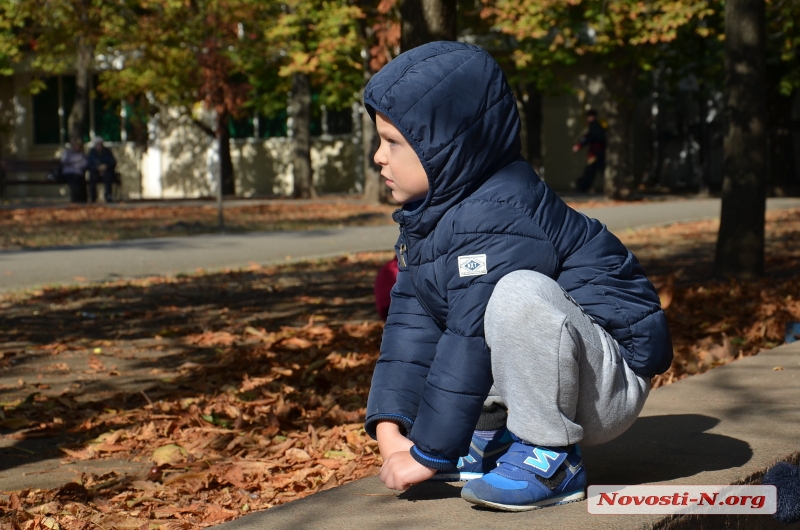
(723, 427)
(172, 255)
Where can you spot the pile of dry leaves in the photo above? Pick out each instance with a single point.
(81, 224)
(714, 322)
(271, 438)
(264, 400)
(93, 223)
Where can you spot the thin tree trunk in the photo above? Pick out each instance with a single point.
(427, 21)
(618, 112)
(532, 108)
(781, 149)
(223, 135)
(372, 176)
(374, 190)
(300, 107)
(80, 106)
(740, 244)
(369, 139)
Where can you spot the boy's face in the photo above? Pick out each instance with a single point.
(399, 163)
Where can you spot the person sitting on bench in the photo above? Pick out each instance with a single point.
(73, 170)
(102, 166)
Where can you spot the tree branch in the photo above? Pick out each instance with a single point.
(205, 128)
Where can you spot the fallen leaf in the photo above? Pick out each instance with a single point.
(297, 454)
(169, 454)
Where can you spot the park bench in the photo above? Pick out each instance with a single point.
(44, 168)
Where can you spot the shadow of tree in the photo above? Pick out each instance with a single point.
(162, 339)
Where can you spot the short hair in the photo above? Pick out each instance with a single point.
(591, 112)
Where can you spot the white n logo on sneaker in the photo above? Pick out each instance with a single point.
(541, 459)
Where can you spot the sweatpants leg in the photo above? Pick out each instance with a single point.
(559, 373)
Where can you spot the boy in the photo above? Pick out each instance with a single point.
(518, 327)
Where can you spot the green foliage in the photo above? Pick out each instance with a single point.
(680, 37)
(9, 46)
(48, 31)
(181, 53)
(783, 43)
(618, 32)
(233, 55)
(320, 38)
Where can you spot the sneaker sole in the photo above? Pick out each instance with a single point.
(455, 477)
(566, 498)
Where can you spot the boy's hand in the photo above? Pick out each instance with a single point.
(390, 440)
(400, 471)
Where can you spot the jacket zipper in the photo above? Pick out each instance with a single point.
(401, 258)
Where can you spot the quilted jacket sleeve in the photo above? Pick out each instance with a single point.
(407, 350)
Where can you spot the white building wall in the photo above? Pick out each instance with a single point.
(180, 159)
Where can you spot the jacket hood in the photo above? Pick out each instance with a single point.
(453, 104)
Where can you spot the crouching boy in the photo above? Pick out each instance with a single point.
(518, 327)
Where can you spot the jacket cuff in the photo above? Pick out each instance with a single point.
(434, 462)
(371, 424)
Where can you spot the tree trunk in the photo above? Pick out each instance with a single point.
(300, 108)
(427, 21)
(80, 107)
(618, 112)
(740, 244)
(369, 139)
(781, 145)
(223, 135)
(373, 185)
(532, 109)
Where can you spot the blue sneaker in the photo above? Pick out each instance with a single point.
(528, 477)
(482, 458)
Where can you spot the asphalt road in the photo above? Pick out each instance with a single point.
(170, 255)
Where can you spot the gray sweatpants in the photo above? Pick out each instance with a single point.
(558, 372)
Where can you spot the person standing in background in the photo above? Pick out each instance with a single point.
(595, 141)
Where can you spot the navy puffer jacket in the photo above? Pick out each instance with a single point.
(452, 103)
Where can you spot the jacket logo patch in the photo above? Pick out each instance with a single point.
(472, 265)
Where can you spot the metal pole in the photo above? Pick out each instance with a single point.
(220, 216)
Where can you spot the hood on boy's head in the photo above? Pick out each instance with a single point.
(453, 104)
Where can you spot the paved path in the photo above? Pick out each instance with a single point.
(30, 268)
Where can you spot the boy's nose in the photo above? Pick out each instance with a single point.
(379, 157)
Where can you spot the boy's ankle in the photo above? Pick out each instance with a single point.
(489, 434)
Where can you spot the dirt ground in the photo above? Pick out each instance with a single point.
(240, 390)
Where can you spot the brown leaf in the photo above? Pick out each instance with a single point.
(666, 292)
(96, 364)
(72, 491)
(117, 520)
(218, 514)
(297, 455)
(82, 454)
(169, 454)
(193, 482)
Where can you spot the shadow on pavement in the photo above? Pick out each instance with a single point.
(431, 491)
(664, 448)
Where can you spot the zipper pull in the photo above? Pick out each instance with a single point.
(401, 257)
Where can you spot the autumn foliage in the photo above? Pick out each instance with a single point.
(258, 378)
